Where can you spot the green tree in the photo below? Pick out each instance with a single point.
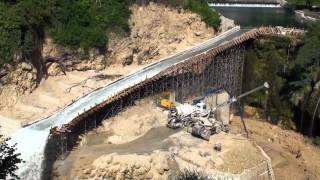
(208, 15)
(305, 75)
(8, 159)
(22, 25)
(293, 69)
(267, 61)
(86, 23)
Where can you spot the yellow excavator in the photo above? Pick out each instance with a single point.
(165, 102)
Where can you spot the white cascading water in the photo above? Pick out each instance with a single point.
(244, 5)
(31, 141)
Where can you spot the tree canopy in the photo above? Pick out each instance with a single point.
(293, 70)
(74, 23)
(8, 160)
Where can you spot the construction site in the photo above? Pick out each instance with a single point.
(158, 138)
(176, 121)
(181, 115)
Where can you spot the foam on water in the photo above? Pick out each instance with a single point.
(244, 5)
(30, 143)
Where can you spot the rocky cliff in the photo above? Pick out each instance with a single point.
(156, 32)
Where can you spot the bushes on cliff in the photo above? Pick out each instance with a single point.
(201, 7)
(85, 23)
(208, 15)
(73, 23)
(22, 26)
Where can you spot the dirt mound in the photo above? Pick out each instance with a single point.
(156, 32)
(145, 148)
(293, 156)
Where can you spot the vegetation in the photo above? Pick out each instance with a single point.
(75, 24)
(307, 3)
(208, 15)
(316, 141)
(85, 23)
(201, 7)
(189, 174)
(8, 160)
(293, 69)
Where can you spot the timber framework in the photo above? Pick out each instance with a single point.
(219, 67)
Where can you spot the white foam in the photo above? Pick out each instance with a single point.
(244, 5)
(30, 144)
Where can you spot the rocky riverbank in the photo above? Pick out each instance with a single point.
(156, 32)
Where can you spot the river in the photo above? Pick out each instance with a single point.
(261, 16)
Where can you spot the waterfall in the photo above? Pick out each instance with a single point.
(30, 143)
(244, 5)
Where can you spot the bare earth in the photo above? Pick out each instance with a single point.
(156, 32)
(139, 146)
(293, 156)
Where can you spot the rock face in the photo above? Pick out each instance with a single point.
(64, 59)
(156, 32)
(23, 77)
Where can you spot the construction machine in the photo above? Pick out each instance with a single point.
(200, 121)
(164, 101)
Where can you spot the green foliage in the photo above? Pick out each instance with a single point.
(316, 141)
(9, 33)
(75, 23)
(201, 7)
(85, 23)
(267, 61)
(304, 2)
(294, 79)
(189, 174)
(21, 27)
(208, 15)
(8, 160)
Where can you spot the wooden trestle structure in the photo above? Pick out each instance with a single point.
(219, 67)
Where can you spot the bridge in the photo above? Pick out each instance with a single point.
(216, 63)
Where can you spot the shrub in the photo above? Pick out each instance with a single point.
(85, 23)
(189, 174)
(208, 15)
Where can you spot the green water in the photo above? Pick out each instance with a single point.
(253, 17)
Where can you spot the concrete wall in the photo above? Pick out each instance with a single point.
(212, 100)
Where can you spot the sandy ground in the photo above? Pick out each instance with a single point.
(52, 95)
(293, 156)
(136, 144)
(156, 32)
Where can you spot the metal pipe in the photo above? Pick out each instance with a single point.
(265, 85)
